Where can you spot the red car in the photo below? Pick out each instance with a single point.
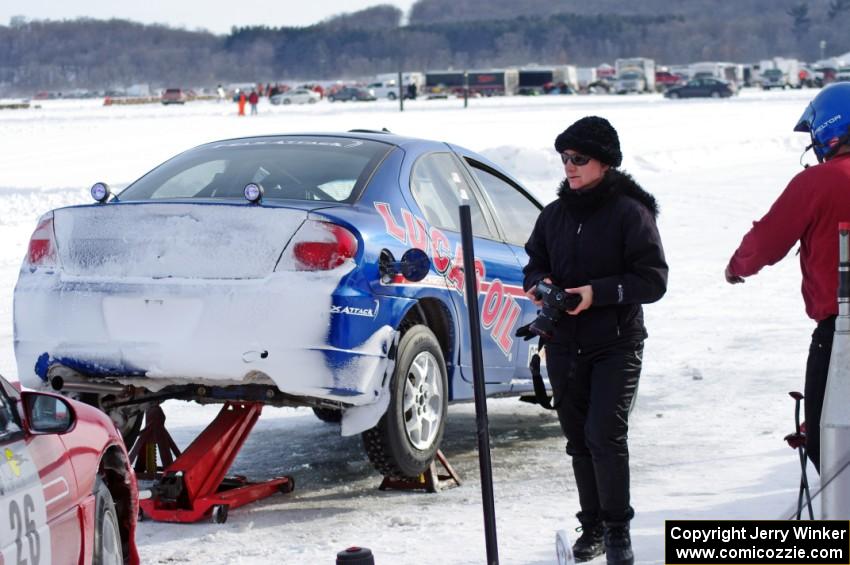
(173, 96)
(67, 491)
(665, 80)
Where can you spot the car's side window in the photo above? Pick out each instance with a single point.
(8, 422)
(439, 187)
(515, 211)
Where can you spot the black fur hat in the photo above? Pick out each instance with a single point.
(592, 136)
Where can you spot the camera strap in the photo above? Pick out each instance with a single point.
(540, 395)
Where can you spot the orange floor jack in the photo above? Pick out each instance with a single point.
(193, 486)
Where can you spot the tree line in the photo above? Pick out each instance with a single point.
(439, 34)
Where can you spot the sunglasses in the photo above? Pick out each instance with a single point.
(578, 160)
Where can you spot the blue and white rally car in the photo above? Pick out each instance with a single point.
(262, 269)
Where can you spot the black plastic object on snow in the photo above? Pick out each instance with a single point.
(355, 556)
(471, 290)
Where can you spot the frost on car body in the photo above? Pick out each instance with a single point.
(180, 287)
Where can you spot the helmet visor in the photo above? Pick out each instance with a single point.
(805, 122)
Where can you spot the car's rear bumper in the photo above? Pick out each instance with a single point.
(280, 328)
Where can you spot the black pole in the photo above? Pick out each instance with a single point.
(465, 89)
(478, 382)
(400, 94)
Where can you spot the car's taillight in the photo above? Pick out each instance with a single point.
(319, 246)
(42, 248)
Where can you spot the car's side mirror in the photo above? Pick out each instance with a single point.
(47, 414)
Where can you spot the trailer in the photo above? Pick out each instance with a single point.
(497, 82)
(733, 73)
(585, 77)
(440, 84)
(543, 80)
(779, 73)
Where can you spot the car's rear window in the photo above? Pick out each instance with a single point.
(331, 169)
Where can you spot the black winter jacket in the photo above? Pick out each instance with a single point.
(605, 237)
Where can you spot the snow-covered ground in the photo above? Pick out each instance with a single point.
(706, 436)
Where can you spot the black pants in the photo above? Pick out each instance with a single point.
(593, 392)
(817, 368)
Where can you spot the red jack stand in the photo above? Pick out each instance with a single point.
(194, 485)
(152, 440)
(429, 481)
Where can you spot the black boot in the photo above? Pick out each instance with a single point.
(591, 542)
(618, 544)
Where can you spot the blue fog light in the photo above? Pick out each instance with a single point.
(100, 192)
(253, 192)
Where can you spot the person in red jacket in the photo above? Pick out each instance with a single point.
(808, 211)
(253, 99)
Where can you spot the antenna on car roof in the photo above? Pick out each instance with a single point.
(382, 130)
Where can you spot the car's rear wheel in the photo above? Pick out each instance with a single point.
(407, 437)
(673, 95)
(715, 94)
(391, 96)
(287, 101)
(107, 535)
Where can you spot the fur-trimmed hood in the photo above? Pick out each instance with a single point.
(614, 182)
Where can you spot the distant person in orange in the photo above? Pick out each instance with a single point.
(242, 100)
(254, 99)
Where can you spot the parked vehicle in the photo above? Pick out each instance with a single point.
(666, 79)
(296, 96)
(352, 93)
(383, 90)
(842, 74)
(773, 78)
(630, 81)
(67, 491)
(780, 73)
(179, 287)
(634, 75)
(173, 96)
(701, 88)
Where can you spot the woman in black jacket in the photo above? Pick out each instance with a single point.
(598, 240)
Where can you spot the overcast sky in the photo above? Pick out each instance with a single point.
(215, 15)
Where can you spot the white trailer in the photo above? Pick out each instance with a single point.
(733, 73)
(779, 73)
(791, 69)
(416, 78)
(585, 76)
(636, 74)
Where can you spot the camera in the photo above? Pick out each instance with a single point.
(556, 301)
